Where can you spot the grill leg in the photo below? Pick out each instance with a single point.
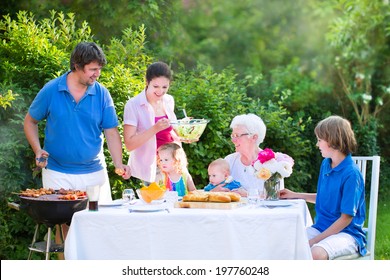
(62, 234)
(33, 241)
(48, 243)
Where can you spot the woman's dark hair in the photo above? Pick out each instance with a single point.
(158, 69)
(85, 53)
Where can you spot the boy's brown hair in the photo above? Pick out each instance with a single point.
(338, 132)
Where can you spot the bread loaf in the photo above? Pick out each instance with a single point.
(196, 196)
(219, 197)
(200, 196)
(234, 196)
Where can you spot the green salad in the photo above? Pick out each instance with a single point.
(190, 130)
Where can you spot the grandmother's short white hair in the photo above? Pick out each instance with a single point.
(254, 124)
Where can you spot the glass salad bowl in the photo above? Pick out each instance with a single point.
(189, 130)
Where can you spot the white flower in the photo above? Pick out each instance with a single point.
(269, 163)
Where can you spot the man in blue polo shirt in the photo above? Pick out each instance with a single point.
(77, 109)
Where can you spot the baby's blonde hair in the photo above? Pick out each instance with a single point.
(221, 163)
(178, 155)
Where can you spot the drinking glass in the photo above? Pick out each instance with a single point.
(93, 192)
(253, 196)
(262, 195)
(171, 197)
(128, 195)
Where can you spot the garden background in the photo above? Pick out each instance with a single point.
(291, 62)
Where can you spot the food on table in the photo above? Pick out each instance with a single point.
(221, 197)
(196, 196)
(235, 197)
(152, 192)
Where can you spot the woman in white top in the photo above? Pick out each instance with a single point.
(248, 132)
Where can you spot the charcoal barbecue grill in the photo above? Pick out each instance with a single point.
(49, 210)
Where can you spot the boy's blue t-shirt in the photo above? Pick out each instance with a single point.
(341, 190)
(74, 131)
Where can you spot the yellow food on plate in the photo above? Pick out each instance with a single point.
(152, 192)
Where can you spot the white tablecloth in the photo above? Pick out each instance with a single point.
(244, 233)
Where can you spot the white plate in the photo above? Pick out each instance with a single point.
(276, 203)
(154, 202)
(117, 202)
(147, 208)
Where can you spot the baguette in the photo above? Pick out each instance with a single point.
(196, 196)
(235, 197)
(224, 197)
(219, 197)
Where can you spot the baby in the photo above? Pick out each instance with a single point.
(219, 176)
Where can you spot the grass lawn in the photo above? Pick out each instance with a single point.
(382, 244)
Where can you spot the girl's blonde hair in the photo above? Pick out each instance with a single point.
(178, 154)
(338, 132)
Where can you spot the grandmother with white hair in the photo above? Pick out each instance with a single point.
(248, 132)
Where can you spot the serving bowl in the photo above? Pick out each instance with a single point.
(189, 129)
(151, 193)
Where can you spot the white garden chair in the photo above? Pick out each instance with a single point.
(361, 162)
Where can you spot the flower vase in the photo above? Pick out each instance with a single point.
(272, 188)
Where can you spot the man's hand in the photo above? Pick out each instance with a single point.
(123, 171)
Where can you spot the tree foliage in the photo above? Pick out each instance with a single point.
(360, 43)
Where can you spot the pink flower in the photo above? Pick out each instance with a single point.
(283, 157)
(265, 155)
(270, 164)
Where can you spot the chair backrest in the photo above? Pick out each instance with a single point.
(361, 162)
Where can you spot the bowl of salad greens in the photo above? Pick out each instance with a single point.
(189, 130)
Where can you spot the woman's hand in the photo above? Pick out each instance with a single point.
(162, 124)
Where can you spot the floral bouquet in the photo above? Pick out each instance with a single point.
(271, 167)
